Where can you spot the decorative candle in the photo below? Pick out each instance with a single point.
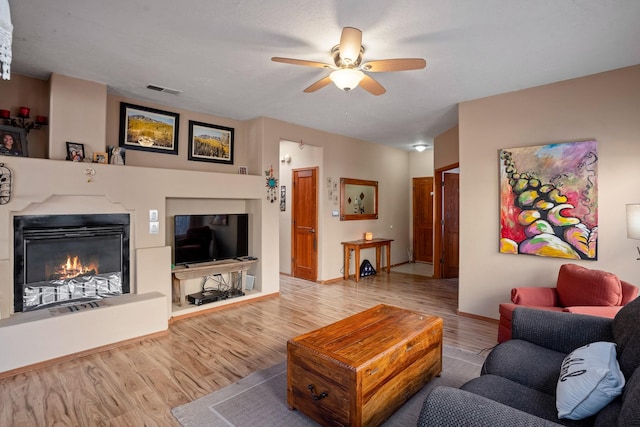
(42, 120)
(5, 114)
(24, 112)
(368, 235)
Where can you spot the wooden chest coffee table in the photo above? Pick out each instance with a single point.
(359, 370)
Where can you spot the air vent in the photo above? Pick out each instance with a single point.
(163, 89)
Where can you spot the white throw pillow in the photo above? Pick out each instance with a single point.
(590, 378)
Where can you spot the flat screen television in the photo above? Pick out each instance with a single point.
(203, 238)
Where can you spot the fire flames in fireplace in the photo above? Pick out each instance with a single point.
(73, 268)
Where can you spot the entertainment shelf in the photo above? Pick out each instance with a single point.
(236, 268)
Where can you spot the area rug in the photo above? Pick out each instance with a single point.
(260, 399)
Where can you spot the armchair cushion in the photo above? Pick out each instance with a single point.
(581, 286)
(531, 296)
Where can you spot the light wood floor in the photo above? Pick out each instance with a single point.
(138, 384)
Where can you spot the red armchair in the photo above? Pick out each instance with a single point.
(578, 290)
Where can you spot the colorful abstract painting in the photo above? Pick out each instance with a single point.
(548, 200)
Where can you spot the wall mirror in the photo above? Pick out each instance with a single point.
(358, 199)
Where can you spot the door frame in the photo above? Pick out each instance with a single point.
(438, 179)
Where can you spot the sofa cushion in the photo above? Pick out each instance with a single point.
(525, 363)
(520, 397)
(581, 286)
(630, 410)
(589, 380)
(626, 335)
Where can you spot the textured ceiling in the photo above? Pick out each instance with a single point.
(218, 53)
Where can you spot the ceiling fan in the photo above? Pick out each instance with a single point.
(349, 70)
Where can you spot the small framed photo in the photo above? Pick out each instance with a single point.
(13, 141)
(100, 157)
(75, 151)
(210, 143)
(242, 170)
(148, 129)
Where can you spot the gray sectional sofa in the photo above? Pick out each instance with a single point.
(517, 386)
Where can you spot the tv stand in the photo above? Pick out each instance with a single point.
(204, 269)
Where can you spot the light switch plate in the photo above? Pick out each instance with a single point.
(335, 213)
(153, 215)
(154, 227)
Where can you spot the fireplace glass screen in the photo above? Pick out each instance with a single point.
(66, 259)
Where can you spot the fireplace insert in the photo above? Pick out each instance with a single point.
(66, 259)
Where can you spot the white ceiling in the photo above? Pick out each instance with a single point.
(218, 53)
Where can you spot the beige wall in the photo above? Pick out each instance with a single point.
(302, 156)
(78, 111)
(605, 107)
(22, 91)
(350, 158)
(446, 148)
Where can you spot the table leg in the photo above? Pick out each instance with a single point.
(346, 261)
(388, 257)
(357, 264)
(378, 249)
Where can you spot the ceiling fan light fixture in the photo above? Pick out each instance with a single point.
(346, 78)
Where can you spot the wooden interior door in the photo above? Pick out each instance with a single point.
(423, 219)
(450, 228)
(304, 218)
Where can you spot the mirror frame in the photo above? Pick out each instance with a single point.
(344, 216)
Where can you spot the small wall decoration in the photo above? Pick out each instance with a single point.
(548, 200)
(116, 155)
(75, 151)
(100, 157)
(210, 143)
(148, 129)
(5, 184)
(242, 170)
(283, 198)
(272, 185)
(13, 141)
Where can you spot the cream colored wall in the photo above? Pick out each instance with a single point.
(78, 112)
(446, 149)
(605, 107)
(22, 91)
(350, 158)
(302, 156)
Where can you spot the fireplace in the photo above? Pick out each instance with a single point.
(67, 259)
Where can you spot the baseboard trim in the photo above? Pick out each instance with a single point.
(68, 357)
(475, 316)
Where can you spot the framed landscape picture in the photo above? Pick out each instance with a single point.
(148, 129)
(210, 143)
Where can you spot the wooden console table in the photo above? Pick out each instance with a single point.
(356, 245)
(194, 271)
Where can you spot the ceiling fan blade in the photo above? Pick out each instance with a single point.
(318, 85)
(301, 62)
(372, 86)
(394, 65)
(350, 44)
